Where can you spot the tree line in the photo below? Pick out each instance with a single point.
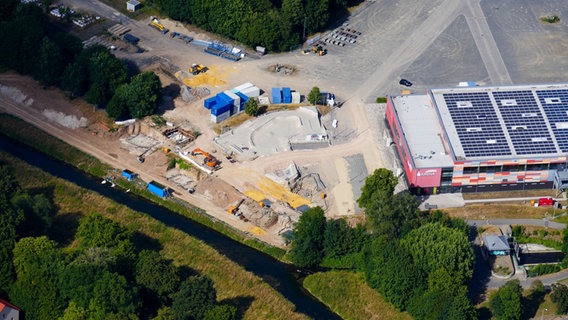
(55, 58)
(277, 25)
(102, 273)
(419, 262)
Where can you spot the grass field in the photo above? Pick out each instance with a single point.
(347, 294)
(257, 300)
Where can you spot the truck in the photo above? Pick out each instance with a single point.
(130, 38)
(544, 202)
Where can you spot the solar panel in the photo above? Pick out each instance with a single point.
(477, 124)
(524, 122)
(555, 105)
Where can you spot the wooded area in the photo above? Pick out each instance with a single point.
(102, 272)
(277, 25)
(58, 59)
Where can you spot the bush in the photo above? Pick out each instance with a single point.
(542, 269)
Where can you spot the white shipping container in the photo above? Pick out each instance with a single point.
(252, 92)
(221, 117)
(236, 101)
(244, 86)
(295, 97)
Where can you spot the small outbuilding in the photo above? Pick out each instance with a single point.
(9, 311)
(128, 174)
(133, 5)
(496, 245)
(158, 189)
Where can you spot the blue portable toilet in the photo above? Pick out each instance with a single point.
(157, 189)
(276, 95)
(128, 174)
(286, 95)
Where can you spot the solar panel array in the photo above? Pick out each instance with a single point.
(510, 122)
(477, 124)
(555, 105)
(525, 122)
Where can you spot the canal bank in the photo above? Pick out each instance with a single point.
(282, 277)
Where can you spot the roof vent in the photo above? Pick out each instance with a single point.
(552, 100)
(529, 115)
(473, 130)
(492, 141)
(519, 128)
(464, 104)
(509, 102)
(539, 139)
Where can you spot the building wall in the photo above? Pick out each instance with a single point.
(9, 314)
(423, 177)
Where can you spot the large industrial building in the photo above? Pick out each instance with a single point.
(476, 139)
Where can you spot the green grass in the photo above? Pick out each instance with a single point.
(20, 130)
(347, 294)
(232, 282)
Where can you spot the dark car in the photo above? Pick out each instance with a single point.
(405, 83)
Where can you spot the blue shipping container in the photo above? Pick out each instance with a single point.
(243, 99)
(276, 95)
(286, 95)
(128, 174)
(220, 109)
(223, 99)
(209, 103)
(157, 189)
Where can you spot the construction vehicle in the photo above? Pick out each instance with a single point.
(209, 160)
(319, 50)
(155, 23)
(234, 209)
(196, 69)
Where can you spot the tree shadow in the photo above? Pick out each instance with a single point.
(173, 90)
(64, 227)
(242, 303)
(186, 272)
(481, 276)
(532, 302)
(143, 242)
(484, 313)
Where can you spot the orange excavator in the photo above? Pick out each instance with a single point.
(209, 160)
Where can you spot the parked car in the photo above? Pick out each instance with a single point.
(405, 83)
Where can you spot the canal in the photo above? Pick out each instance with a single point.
(284, 278)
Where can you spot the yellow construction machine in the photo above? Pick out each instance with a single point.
(319, 50)
(155, 23)
(196, 69)
(233, 209)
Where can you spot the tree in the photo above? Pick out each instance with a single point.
(74, 79)
(38, 262)
(195, 297)
(221, 312)
(156, 274)
(314, 97)
(251, 107)
(390, 270)
(307, 246)
(506, 303)
(434, 246)
(143, 94)
(113, 294)
(106, 74)
(38, 212)
(337, 238)
(559, 296)
(381, 181)
(118, 105)
(50, 63)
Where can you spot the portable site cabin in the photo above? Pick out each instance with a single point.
(133, 5)
(128, 174)
(286, 95)
(157, 189)
(276, 96)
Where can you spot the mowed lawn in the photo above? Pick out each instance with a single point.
(347, 294)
